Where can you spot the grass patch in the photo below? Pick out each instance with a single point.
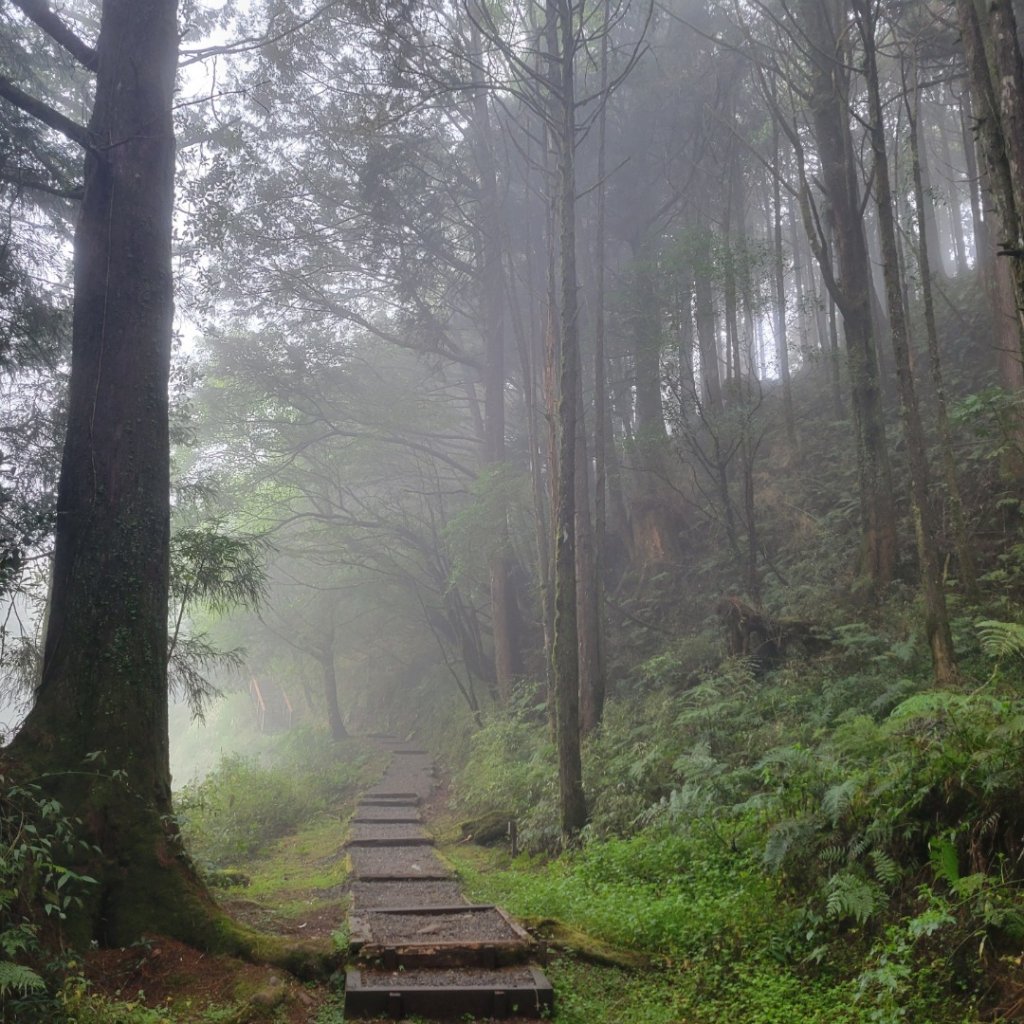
(724, 942)
(247, 803)
(312, 858)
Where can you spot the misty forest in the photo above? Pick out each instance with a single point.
(512, 508)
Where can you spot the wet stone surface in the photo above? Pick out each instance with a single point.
(465, 926)
(397, 862)
(368, 895)
(512, 977)
(385, 831)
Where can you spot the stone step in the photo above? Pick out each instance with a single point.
(389, 833)
(397, 863)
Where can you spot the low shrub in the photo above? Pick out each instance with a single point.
(245, 803)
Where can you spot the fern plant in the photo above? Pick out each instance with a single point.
(1001, 640)
(18, 980)
(36, 837)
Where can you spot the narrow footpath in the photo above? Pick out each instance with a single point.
(419, 948)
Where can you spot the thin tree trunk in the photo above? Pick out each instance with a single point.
(853, 292)
(965, 551)
(504, 610)
(980, 226)
(959, 244)
(781, 335)
(936, 618)
(707, 333)
(329, 677)
(593, 706)
(929, 219)
(591, 678)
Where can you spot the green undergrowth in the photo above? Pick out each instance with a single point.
(719, 933)
(828, 838)
(270, 832)
(246, 803)
(267, 833)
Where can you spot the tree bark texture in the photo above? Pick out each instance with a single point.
(992, 50)
(102, 700)
(565, 653)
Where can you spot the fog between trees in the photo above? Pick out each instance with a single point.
(511, 340)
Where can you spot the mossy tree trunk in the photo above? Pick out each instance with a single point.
(97, 735)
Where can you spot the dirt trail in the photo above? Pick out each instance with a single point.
(419, 947)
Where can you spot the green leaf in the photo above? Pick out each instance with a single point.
(15, 978)
(944, 860)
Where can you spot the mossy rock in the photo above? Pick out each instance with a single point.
(559, 935)
(226, 878)
(263, 1004)
(487, 829)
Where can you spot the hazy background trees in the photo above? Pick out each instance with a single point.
(517, 329)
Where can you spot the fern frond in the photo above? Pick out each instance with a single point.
(1001, 639)
(838, 799)
(846, 896)
(832, 854)
(794, 835)
(887, 871)
(19, 980)
(929, 704)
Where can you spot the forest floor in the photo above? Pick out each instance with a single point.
(298, 886)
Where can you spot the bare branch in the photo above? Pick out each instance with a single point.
(45, 113)
(58, 31)
(27, 179)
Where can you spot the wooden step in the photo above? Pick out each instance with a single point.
(477, 935)
(513, 992)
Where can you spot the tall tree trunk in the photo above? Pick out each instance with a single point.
(955, 218)
(652, 513)
(591, 677)
(965, 551)
(936, 618)
(994, 65)
(529, 358)
(707, 332)
(650, 413)
(103, 688)
(852, 290)
(929, 218)
(593, 708)
(781, 334)
(684, 349)
(504, 609)
(980, 226)
(565, 654)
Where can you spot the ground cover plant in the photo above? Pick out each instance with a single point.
(268, 835)
(834, 837)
